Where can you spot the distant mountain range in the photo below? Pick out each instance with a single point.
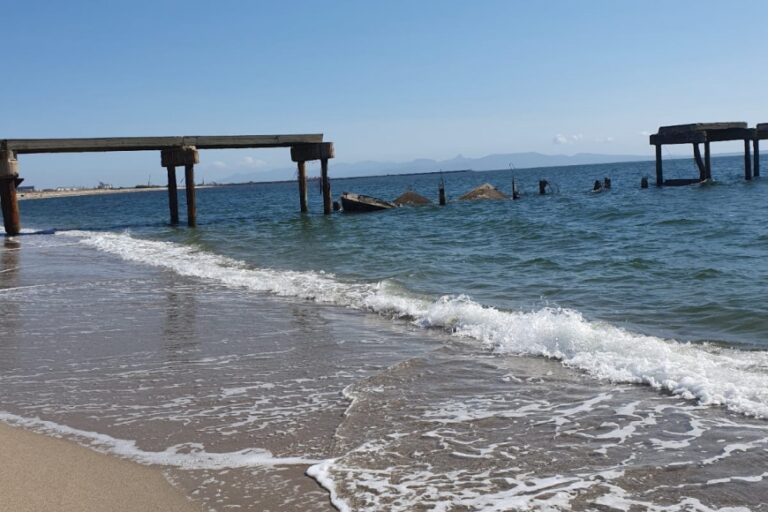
(486, 163)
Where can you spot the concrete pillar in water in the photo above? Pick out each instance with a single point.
(302, 176)
(9, 174)
(708, 160)
(747, 161)
(756, 156)
(326, 186)
(659, 170)
(441, 193)
(173, 195)
(303, 153)
(189, 184)
(186, 156)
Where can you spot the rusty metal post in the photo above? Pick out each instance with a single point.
(9, 173)
(303, 186)
(173, 195)
(189, 184)
(327, 207)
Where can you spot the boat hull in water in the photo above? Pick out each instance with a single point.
(358, 203)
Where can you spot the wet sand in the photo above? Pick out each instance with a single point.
(40, 473)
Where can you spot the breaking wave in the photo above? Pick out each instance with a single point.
(712, 375)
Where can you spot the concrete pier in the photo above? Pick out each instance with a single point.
(698, 133)
(303, 153)
(9, 179)
(174, 152)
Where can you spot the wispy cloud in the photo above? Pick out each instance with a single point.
(567, 139)
(251, 163)
(604, 140)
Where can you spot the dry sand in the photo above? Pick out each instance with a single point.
(45, 194)
(41, 474)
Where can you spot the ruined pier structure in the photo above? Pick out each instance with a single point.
(705, 133)
(174, 152)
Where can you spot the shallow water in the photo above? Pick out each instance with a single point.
(397, 356)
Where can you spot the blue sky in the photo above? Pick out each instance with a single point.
(390, 80)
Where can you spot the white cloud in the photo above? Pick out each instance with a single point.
(567, 139)
(252, 163)
(604, 140)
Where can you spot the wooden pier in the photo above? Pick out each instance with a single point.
(174, 152)
(705, 133)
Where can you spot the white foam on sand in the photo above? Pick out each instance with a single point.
(186, 456)
(712, 375)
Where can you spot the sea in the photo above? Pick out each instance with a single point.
(568, 351)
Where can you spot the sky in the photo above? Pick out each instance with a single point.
(385, 81)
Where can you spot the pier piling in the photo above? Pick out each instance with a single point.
(756, 156)
(327, 207)
(9, 174)
(441, 193)
(659, 168)
(747, 160)
(189, 185)
(543, 187)
(173, 195)
(303, 153)
(302, 177)
(187, 157)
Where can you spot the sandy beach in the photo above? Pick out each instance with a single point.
(40, 473)
(47, 194)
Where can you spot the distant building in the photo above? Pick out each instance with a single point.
(25, 188)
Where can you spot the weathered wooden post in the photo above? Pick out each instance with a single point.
(644, 182)
(707, 160)
(515, 192)
(756, 155)
(301, 154)
(606, 183)
(186, 156)
(659, 169)
(747, 161)
(543, 187)
(9, 174)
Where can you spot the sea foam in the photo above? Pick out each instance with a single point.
(187, 456)
(712, 375)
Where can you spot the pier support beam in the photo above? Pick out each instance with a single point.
(302, 176)
(173, 195)
(659, 170)
(187, 157)
(327, 207)
(9, 174)
(756, 156)
(707, 160)
(303, 153)
(747, 161)
(699, 162)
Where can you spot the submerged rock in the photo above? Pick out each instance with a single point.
(411, 198)
(484, 191)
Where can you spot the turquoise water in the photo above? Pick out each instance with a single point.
(685, 263)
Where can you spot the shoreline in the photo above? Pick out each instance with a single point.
(39, 472)
(50, 194)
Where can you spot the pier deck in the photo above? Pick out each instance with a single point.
(697, 133)
(174, 152)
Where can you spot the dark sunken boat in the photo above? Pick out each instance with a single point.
(359, 203)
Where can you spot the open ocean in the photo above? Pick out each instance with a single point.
(574, 351)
